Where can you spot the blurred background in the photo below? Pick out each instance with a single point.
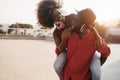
(27, 50)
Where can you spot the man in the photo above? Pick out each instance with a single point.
(80, 51)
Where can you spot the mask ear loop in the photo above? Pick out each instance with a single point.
(82, 28)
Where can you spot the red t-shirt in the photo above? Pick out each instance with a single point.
(79, 55)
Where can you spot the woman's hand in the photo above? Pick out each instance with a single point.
(66, 34)
(63, 44)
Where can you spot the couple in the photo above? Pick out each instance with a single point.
(76, 42)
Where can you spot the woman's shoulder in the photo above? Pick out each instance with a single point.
(68, 20)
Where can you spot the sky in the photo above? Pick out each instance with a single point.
(24, 11)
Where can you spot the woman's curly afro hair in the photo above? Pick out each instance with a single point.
(44, 12)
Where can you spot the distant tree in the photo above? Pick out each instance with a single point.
(19, 25)
(25, 25)
(1, 30)
(10, 30)
(0, 25)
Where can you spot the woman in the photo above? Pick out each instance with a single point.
(48, 15)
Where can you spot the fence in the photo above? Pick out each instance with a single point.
(20, 33)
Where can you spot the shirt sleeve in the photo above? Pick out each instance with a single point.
(104, 50)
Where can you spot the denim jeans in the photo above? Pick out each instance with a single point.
(95, 66)
(60, 63)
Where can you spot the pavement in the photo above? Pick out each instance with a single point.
(33, 59)
(111, 69)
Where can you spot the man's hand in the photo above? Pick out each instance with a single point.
(98, 43)
(98, 40)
